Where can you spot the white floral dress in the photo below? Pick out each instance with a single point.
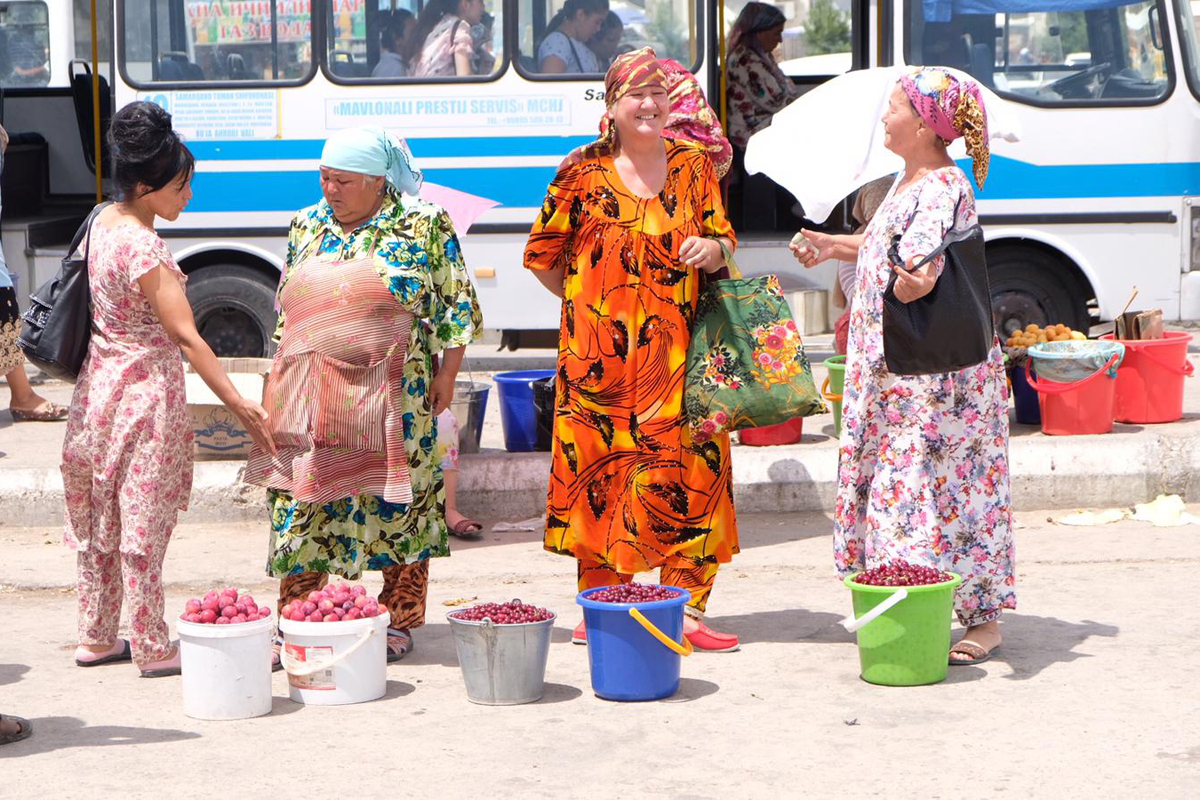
(923, 472)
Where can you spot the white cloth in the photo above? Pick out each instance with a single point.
(575, 54)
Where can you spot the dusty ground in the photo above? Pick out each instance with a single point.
(1094, 693)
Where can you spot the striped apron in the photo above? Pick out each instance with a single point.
(335, 387)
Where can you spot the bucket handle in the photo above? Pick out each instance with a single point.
(851, 624)
(1186, 370)
(683, 649)
(1043, 387)
(301, 672)
(828, 395)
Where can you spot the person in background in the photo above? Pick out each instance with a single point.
(127, 453)
(866, 201)
(375, 287)
(447, 453)
(394, 40)
(692, 118)
(758, 89)
(24, 403)
(443, 42)
(563, 48)
(923, 473)
(629, 226)
(606, 41)
(483, 58)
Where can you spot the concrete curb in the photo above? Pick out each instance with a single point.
(1130, 465)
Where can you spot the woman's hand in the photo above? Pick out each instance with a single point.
(913, 284)
(254, 418)
(441, 391)
(702, 253)
(820, 248)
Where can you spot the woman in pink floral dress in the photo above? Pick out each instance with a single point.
(127, 455)
(923, 473)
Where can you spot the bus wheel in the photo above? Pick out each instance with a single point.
(1032, 287)
(234, 308)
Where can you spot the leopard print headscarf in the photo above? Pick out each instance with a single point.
(952, 108)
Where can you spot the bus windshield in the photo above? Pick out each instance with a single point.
(1047, 52)
(24, 44)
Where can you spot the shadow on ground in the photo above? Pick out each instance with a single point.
(1033, 644)
(12, 673)
(784, 625)
(62, 733)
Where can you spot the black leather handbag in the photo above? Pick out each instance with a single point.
(58, 324)
(951, 328)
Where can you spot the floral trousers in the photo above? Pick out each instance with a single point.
(105, 579)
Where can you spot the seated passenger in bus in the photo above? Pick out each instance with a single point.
(758, 89)
(483, 56)
(394, 40)
(444, 31)
(607, 40)
(563, 49)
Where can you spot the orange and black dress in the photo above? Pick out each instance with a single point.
(629, 489)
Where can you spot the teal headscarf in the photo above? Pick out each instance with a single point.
(373, 151)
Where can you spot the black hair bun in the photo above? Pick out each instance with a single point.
(146, 149)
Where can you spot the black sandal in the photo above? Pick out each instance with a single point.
(25, 729)
(126, 654)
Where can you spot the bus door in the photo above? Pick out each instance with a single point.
(1100, 158)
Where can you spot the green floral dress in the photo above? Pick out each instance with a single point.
(419, 259)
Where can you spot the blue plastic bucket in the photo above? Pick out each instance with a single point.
(1025, 399)
(628, 660)
(517, 413)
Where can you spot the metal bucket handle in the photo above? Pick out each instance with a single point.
(683, 648)
(851, 624)
(301, 672)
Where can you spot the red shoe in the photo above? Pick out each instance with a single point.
(579, 635)
(707, 640)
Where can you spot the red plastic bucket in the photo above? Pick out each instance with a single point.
(788, 432)
(1150, 379)
(1079, 408)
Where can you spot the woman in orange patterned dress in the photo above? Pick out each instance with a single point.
(627, 229)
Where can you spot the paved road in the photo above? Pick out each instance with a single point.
(1094, 693)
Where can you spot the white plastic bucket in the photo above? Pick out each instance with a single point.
(335, 663)
(226, 669)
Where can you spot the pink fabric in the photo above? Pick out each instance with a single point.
(936, 94)
(333, 395)
(463, 208)
(127, 452)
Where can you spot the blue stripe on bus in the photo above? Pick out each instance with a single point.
(289, 191)
(449, 147)
(1009, 179)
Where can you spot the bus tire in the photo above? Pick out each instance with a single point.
(234, 307)
(1031, 286)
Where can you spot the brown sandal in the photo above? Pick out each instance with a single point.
(977, 654)
(467, 529)
(24, 729)
(46, 412)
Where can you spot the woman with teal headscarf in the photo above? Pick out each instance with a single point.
(375, 287)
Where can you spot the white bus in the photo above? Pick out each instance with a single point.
(1100, 196)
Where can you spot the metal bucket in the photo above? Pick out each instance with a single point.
(502, 665)
(470, 403)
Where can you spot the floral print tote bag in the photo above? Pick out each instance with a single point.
(746, 366)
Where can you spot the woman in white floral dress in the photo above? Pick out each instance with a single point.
(923, 472)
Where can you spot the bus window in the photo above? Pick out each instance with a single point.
(82, 15)
(178, 41)
(1075, 53)
(816, 44)
(1189, 35)
(397, 39)
(24, 44)
(582, 37)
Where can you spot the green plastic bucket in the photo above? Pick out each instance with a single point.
(832, 390)
(905, 641)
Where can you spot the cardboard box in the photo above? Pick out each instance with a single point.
(219, 434)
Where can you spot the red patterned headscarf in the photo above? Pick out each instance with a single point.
(692, 118)
(952, 108)
(629, 71)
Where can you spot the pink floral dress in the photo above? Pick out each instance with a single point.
(127, 455)
(923, 472)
